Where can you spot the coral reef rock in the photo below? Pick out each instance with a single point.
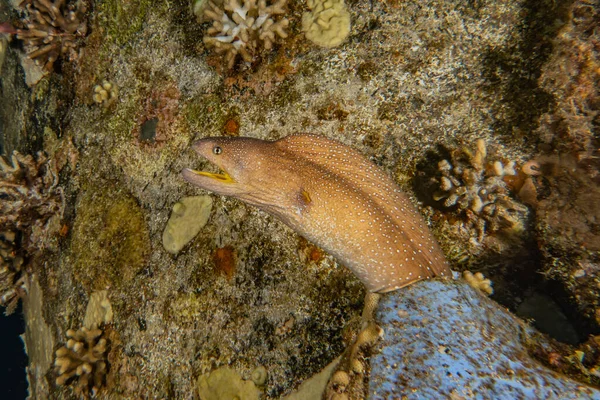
(225, 383)
(3, 48)
(568, 211)
(567, 228)
(466, 343)
(328, 22)
(244, 29)
(38, 339)
(189, 215)
(350, 380)
(53, 29)
(572, 74)
(83, 360)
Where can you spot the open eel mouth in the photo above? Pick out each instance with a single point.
(222, 177)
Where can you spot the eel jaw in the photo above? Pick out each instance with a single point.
(224, 177)
(219, 183)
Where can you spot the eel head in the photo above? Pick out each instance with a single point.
(250, 170)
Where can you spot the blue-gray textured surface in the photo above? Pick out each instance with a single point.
(443, 338)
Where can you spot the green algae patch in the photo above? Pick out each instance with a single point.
(186, 308)
(122, 20)
(205, 113)
(110, 239)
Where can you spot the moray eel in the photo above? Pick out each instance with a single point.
(333, 196)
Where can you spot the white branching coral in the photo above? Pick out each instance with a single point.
(476, 186)
(82, 361)
(53, 29)
(12, 281)
(244, 29)
(30, 196)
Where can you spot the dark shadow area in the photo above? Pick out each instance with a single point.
(515, 70)
(14, 359)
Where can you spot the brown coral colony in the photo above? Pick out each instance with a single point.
(53, 29)
(29, 197)
(83, 360)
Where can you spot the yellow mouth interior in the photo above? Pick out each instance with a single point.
(224, 177)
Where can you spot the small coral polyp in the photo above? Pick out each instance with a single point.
(244, 30)
(105, 94)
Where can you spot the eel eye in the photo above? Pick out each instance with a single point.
(217, 150)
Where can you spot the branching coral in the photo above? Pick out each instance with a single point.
(476, 186)
(83, 360)
(244, 30)
(30, 196)
(12, 283)
(54, 29)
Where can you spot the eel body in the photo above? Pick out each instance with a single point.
(333, 196)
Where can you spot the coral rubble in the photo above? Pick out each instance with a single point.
(53, 29)
(244, 30)
(83, 360)
(328, 22)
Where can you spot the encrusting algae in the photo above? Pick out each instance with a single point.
(110, 239)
